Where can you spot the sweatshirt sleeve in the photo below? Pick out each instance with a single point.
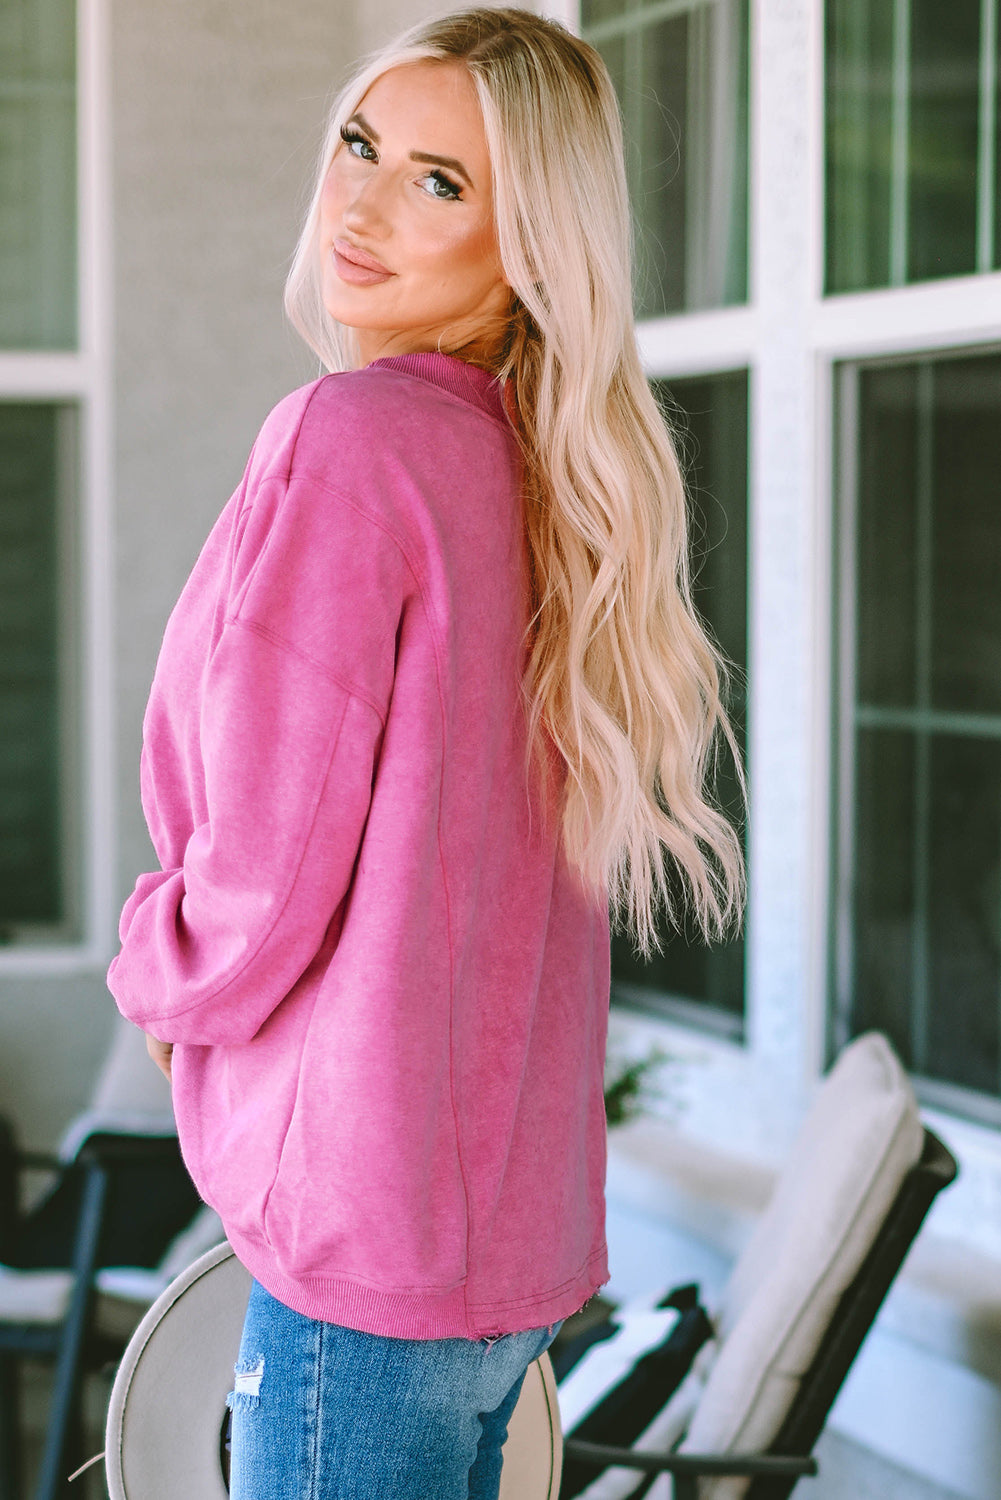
(288, 728)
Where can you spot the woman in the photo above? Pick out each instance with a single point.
(433, 699)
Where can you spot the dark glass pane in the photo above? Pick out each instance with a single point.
(859, 92)
(883, 894)
(902, 141)
(886, 581)
(29, 789)
(37, 174)
(713, 411)
(593, 11)
(965, 913)
(713, 419)
(966, 607)
(682, 84)
(944, 117)
(661, 186)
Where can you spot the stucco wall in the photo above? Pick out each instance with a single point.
(218, 109)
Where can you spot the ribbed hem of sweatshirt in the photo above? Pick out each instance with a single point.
(422, 1314)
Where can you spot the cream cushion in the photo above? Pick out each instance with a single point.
(857, 1144)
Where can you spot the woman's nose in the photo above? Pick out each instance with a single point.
(368, 208)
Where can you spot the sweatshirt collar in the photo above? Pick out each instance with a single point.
(468, 382)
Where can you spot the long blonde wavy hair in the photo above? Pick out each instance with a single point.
(622, 679)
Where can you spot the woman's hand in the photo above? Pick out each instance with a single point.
(160, 1052)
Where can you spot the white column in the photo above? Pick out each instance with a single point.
(789, 568)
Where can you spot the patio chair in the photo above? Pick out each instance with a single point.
(79, 1267)
(856, 1187)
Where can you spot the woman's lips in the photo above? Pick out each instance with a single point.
(349, 269)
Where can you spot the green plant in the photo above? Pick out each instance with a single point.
(628, 1090)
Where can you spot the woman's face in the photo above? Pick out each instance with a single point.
(408, 190)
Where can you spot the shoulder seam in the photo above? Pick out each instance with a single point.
(360, 510)
(380, 525)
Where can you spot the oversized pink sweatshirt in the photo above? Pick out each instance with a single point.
(387, 992)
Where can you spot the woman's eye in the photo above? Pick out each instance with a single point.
(352, 138)
(438, 180)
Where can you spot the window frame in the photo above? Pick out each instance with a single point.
(81, 378)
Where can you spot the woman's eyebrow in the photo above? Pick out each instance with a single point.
(424, 156)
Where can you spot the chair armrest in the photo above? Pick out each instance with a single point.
(701, 1465)
(111, 1149)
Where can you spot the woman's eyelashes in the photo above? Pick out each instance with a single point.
(440, 179)
(452, 189)
(350, 137)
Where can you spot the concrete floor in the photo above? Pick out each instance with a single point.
(848, 1472)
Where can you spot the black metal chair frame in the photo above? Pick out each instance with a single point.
(789, 1458)
(73, 1344)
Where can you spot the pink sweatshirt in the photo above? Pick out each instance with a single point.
(387, 993)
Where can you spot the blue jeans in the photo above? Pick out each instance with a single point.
(322, 1412)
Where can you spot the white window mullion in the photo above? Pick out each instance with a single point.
(965, 310)
(786, 946)
(43, 377)
(97, 580)
(699, 343)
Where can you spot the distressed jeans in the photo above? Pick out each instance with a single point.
(322, 1412)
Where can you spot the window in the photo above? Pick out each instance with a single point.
(690, 979)
(37, 444)
(680, 71)
(913, 137)
(42, 383)
(37, 174)
(921, 718)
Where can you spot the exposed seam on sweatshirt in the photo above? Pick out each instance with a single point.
(290, 476)
(451, 982)
(317, 1285)
(377, 521)
(553, 1291)
(279, 640)
(320, 483)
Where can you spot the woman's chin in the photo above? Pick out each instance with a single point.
(350, 311)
